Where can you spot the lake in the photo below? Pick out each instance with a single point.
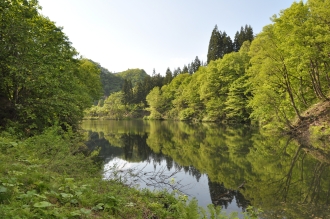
(226, 165)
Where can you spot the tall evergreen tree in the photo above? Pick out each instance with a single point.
(219, 45)
(185, 69)
(127, 89)
(191, 68)
(176, 72)
(157, 80)
(213, 51)
(138, 93)
(225, 44)
(168, 76)
(197, 64)
(243, 35)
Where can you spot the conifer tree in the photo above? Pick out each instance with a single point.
(185, 69)
(127, 89)
(168, 76)
(138, 93)
(245, 34)
(176, 72)
(197, 64)
(225, 44)
(191, 68)
(213, 51)
(220, 44)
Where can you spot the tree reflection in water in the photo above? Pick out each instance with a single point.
(283, 176)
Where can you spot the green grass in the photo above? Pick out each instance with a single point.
(53, 176)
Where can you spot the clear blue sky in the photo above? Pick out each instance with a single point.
(147, 34)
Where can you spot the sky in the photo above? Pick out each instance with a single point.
(153, 34)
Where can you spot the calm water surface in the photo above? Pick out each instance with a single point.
(231, 167)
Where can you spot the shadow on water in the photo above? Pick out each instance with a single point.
(232, 167)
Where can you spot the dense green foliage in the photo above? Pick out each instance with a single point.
(41, 80)
(110, 82)
(290, 63)
(213, 93)
(273, 81)
(54, 179)
(134, 75)
(113, 82)
(130, 100)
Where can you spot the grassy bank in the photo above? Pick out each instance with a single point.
(52, 176)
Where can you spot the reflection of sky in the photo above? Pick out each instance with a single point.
(188, 183)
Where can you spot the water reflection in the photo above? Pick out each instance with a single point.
(228, 166)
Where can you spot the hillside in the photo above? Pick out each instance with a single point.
(135, 75)
(113, 82)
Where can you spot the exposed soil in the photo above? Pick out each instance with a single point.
(317, 115)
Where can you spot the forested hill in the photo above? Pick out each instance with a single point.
(134, 75)
(113, 82)
(270, 79)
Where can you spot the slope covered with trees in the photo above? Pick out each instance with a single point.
(127, 98)
(42, 82)
(213, 93)
(290, 63)
(269, 79)
(272, 81)
(113, 82)
(134, 75)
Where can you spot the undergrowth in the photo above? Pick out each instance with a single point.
(52, 175)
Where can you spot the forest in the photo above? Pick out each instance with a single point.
(272, 79)
(46, 170)
(269, 79)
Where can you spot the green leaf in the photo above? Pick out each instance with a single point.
(42, 204)
(74, 201)
(3, 189)
(75, 213)
(99, 206)
(14, 144)
(85, 211)
(41, 196)
(69, 179)
(78, 193)
(66, 195)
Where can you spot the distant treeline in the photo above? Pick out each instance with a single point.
(134, 85)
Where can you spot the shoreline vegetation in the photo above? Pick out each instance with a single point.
(53, 175)
(273, 79)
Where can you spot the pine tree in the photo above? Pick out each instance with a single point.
(220, 44)
(190, 68)
(226, 44)
(213, 51)
(176, 72)
(139, 93)
(245, 34)
(168, 76)
(127, 89)
(185, 69)
(197, 64)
